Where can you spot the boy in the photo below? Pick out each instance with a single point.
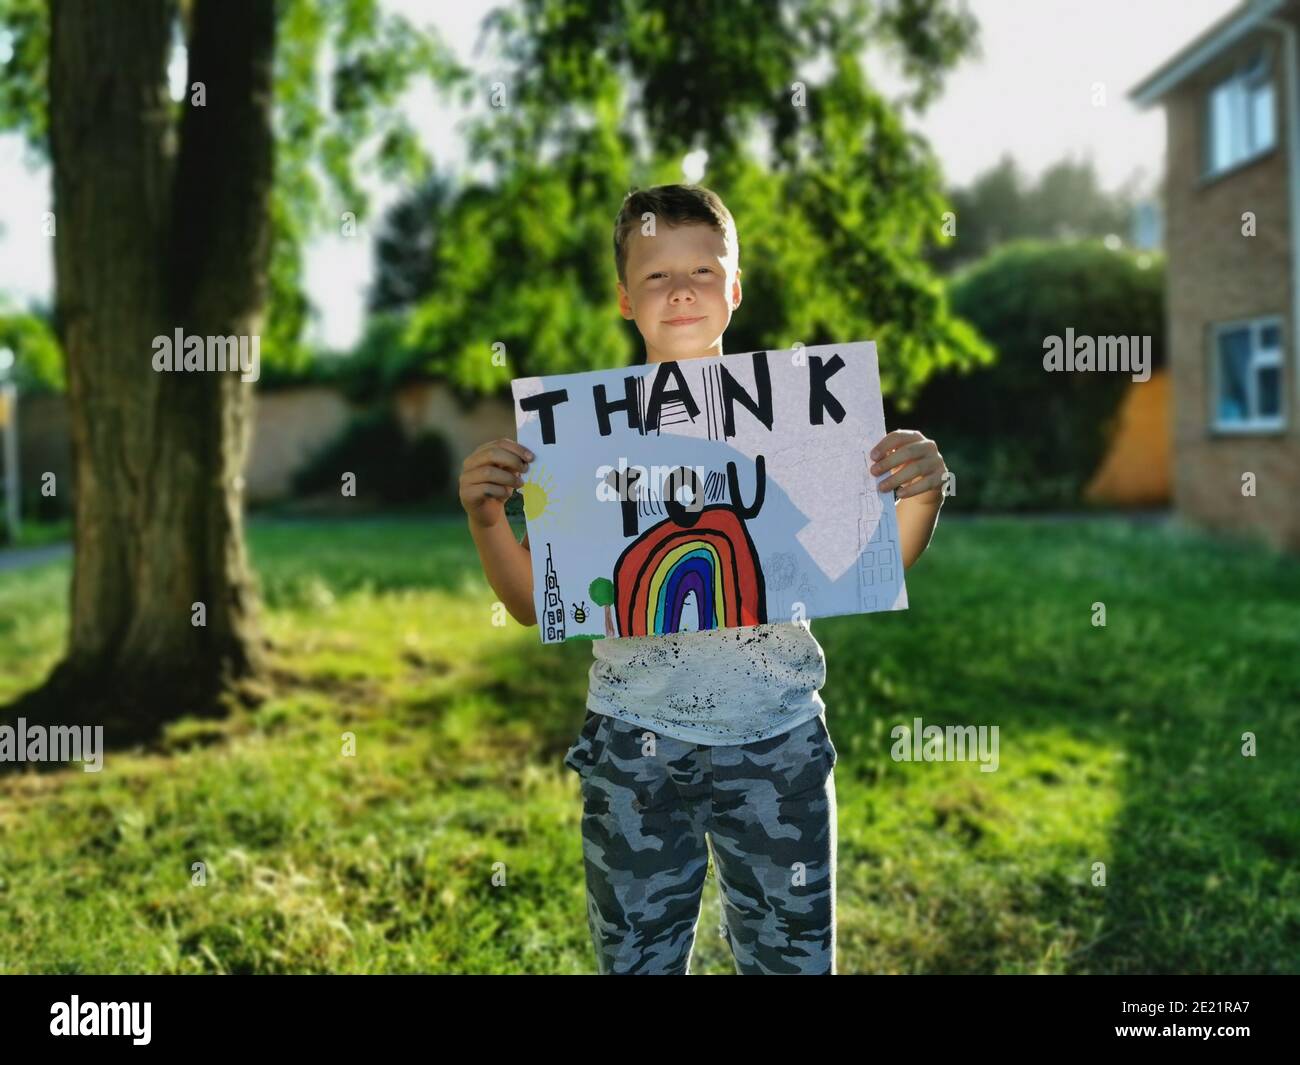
(700, 738)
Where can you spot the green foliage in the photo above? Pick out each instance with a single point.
(46, 520)
(836, 249)
(1016, 435)
(319, 368)
(406, 247)
(389, 467)
(508, 275)
(999, 206)
(833, 228)
(702, 74)
(24, 74)
(46, 510)
(381, 360)
(38, 359)
(1117, 745)
(602, 97)
(332, 124)
(322, 151)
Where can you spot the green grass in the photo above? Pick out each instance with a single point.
(1118, 745)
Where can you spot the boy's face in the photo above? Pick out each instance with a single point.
(680, 291)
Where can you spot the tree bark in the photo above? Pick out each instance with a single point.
(158, 228)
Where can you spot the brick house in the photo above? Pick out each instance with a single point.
(1232, 237)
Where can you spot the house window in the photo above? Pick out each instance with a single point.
(1248, 375)
(1240, 116)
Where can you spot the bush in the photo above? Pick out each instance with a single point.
(380, 362)
(1025, 438)
(388, 466)
(43, 518)
(1000, 476)
(43, 508)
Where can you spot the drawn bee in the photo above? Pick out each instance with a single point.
(580, 612)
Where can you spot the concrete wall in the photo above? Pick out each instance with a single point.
(430, 405)
(289, 427)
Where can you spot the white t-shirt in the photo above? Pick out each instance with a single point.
(716, 686)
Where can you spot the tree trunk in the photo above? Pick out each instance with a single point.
(158, 228)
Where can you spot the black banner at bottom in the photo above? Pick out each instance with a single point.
(1224, 1014)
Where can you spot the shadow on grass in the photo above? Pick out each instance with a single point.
(1121, 749)
(1119, 744)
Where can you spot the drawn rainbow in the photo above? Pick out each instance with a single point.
(714, 558)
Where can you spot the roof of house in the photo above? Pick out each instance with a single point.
(1230, 29)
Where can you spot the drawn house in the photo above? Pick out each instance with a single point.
(878, 559)
(1232, 222)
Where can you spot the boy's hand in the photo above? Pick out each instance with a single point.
(922, 466)
(489, 476)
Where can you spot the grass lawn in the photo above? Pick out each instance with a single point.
(450, 842)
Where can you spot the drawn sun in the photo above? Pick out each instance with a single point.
(539, 500)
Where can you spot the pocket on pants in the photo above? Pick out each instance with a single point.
(588, 749)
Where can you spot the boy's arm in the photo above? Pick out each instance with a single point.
(491, 474)
(508, 566)
(917, 473)
(916, 522)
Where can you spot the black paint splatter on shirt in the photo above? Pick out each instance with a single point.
(719, 686)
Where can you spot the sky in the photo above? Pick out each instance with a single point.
(1032, 94)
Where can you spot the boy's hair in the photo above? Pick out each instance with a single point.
(672, 205)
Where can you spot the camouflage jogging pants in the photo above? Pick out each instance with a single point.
(768, 811)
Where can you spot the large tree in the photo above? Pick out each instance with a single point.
(181, 216)
(155, 234)
(836, 199)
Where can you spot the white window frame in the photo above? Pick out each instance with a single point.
(1239, 91)
(1259, 358)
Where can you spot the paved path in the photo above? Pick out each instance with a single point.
(23, 557)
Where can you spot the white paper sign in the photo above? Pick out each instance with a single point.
(708, 493)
